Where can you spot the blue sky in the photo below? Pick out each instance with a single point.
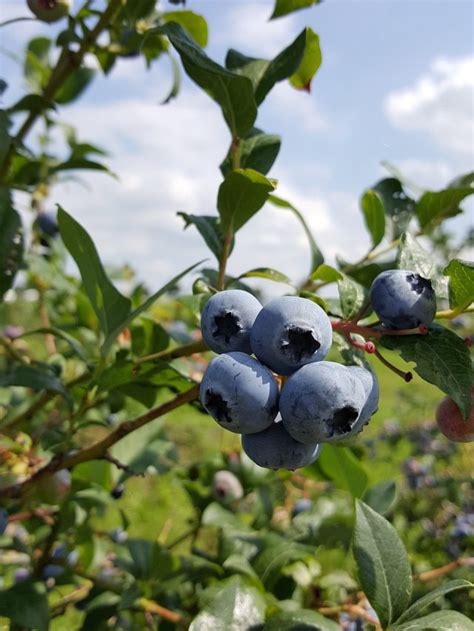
(396, 84)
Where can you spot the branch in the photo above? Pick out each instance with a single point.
(445, 569)
(174, 353)
(98, 450)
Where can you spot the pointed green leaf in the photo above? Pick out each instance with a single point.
(301, 619)
(326, 273)
(382, 564)
(257, 151)
(128, 318)
(339, 465)
(283, 7)
(374, 215)
(398, 206)
(461, 283)
(441, 358)
(425, 601)
(234, 93)
(193, 23)
(435, 206)
(241, 195)
(40, 377)
(234, 606)
(74, 85)
(269, 274)
(312, 59)
(110, 306)
(11, 241)
(381, 496)
(4, 135)
(26, 605)
(411, 256)
(209, 229)
(439, 621)
(317, 257)
(352, 296)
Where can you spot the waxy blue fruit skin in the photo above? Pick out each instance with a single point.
(3, 520)
(371, 389)
(239, 393)
(274, 448)
(403, 299)
(47, 224)
(290, 332)
(227, 320)
(322, 402)
(301, 506)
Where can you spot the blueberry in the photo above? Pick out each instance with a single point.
(239, 393)
(3, 520)
(227, 320)
(274, 448)
(52, 571)
(403, 299)
(118, 535)
(371, 389)
(48, 225)
(117, 491)
(301, 506)
(22, 574)
(290, 332)
(226, 487)
(322, 402)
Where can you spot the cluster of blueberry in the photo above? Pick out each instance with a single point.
(320, 401)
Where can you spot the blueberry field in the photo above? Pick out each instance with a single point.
(213, 445)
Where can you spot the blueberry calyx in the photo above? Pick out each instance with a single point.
(300, 344)
(226, 326)
(217, 406)
(418, 284)
(343, 420)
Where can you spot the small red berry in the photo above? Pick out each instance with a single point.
(451, 423)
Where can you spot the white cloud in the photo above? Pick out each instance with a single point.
(424, 174)
(441, 103)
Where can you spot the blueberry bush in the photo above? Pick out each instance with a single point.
(123, 504)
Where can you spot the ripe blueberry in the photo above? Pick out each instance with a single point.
(274, 448)
(301, 506)
(50, 10)
(403, 299)
(322, 402)
(227, 319)
(290, 332)
(3, 520)
(47, 224)
(239, 393)
(371, 389)
(226, 487)
(117, 491)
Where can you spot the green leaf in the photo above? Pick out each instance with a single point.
(74, 85)
(143, 307)
(276, 554)
(26, 605)
(374, 215)
(11, 241)
(411, 256)
(52, 330)
(461, 283)
(326, 274)
(37, 378)
(234, 93)
(235, 606)
(425, 601)
(37, 67)
(80, 163)
(269, 274)
(317, 257)
(257, 151)
(110, 306)
(193, 23)
(283, 7)
(381, 497)
(352, 296)
(32, 103)
(209, 228)
(441, 358)
(300, 620)
(149, 559)
(398, 206)
(264, 74)
(439, 621)
(240, 196)
(382, 564)
(312, 59)
(435, 206)
(339, 465)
